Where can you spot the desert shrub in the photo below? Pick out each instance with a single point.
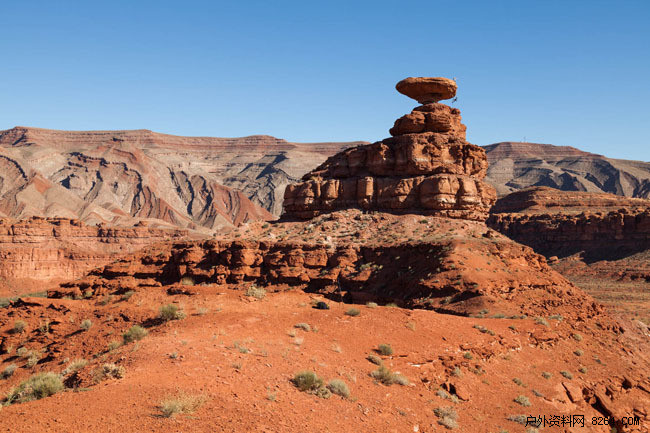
(33, 359)
(577, 337)
(444, 394)
(19, 326)
(8, 371)
(180, 403)
(522, 400)
(566, 374)
(36, 387)
(457, 372)
(44, 327)
(323, 392)
(447, 417)
(538, 394)
(521, 419)
(374, 359)
(307, 381)
(113, 345)
(338, 387)
(23, 352)
(110, 371)
(484, 330)
(353, 312)
(547, 375)
(400, 380)
(303, 326)
(242, 349)
(582, 369)
(127, 295)
(518, 381)
(385, 349)
(541, 321)
(75, 365)
(256, 292)
(579, 352)
(86, 324)
(371, 304)
(170, 312)
(134, 333)
(387, 377)
(467, 355)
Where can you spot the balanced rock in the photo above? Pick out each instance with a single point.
(427, 167)
(427, 90)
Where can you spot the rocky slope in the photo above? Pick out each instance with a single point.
(122, 176)
(602, 241)
(515, 166)
(37, 253)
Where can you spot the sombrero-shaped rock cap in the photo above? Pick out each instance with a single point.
(427, 90)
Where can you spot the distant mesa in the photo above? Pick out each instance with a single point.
(427, 90)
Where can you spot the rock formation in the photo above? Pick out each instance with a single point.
(599, 241)
(38, 252)
(426, 264)
(427, 167)
(560, 223)
(545, 200)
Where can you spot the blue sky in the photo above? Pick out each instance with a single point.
(562, 72)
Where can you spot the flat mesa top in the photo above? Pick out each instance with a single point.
(427, 90)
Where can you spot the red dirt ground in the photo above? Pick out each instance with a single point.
(240, 387)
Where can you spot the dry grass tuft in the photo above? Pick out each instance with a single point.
(181, 403)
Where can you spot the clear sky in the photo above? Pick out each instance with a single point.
(565, 72)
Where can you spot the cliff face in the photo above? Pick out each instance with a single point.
(121, 177)
(427, 167)
(515, 166)
(559, 223)
(454, 266)
(39, 252)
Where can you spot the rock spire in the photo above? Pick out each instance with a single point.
(426, 167)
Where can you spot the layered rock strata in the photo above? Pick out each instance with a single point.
(515, 165)
(561, 223)
(41, 251)
(427, 167)
(122, 177)
(364, 263)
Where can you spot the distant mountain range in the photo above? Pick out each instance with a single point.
(124, 177)
(205, 183)
(514, 166)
